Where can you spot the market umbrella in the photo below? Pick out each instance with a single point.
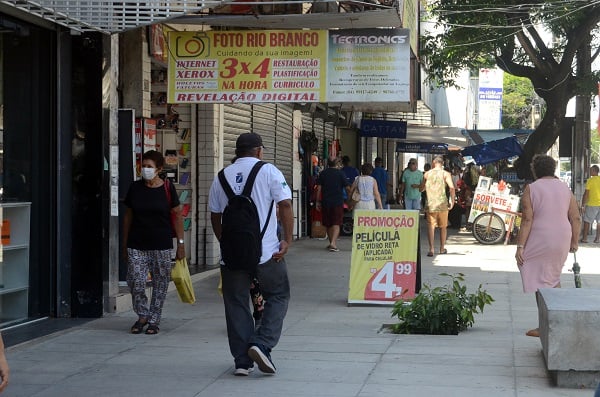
(493, 151)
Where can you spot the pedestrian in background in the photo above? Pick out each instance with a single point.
(366, 186)
(590, 203)
(435, 182)
(148, 240)
(249, 344)
(350, 172)
(4, 370)
(426, 168)
(381, 176)
(330, 185)
(412, 179)
(549, 228)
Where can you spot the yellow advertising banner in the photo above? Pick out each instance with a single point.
(247, 66)
(262, 66)
(384, 256)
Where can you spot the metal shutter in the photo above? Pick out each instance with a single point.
(264, 118)
(307, 122)
(284, 135)
(237, 119)
(328, 131)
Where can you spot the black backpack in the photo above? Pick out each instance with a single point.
(241, 236)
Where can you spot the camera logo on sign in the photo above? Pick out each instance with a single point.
(194, 47)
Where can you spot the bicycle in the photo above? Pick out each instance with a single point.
(489, 227)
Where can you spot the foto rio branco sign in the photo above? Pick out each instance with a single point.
(289, 66)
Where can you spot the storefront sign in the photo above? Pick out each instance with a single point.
(289, 66)
(422, 147)
(384, 256)
(490, 99)
(383, 128)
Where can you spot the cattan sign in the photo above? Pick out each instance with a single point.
(357, 65)
(383, 128)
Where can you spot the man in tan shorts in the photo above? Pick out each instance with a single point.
(438, 204)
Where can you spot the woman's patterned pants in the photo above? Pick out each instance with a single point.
(158, 263)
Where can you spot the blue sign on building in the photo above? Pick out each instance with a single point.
(422, 147)
(383, 128)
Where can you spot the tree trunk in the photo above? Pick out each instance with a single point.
(544, 136)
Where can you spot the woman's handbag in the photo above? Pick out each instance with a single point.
(180, 274)
(356, 194)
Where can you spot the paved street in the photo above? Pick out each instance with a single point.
(327, 348)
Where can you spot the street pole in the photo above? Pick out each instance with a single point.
(580, 160)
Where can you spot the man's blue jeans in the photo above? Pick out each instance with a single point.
(412, 204)
(275, 287)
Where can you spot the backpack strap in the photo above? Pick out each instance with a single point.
(264, 229)
(247, 189)
(225, 184)
(251, 177)
(249, 182)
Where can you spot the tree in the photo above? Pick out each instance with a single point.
(518, 99)
(595, 146)
(508, 34)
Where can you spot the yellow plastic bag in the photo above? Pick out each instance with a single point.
(180, 274)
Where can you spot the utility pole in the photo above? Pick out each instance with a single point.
(580, 160)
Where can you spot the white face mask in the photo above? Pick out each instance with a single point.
(148, 173)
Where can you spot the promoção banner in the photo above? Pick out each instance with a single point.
(352, 65)
(383, 268)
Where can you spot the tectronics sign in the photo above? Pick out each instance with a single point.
(383, 128)
(289, 66)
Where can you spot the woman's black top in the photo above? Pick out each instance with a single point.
(151, 224)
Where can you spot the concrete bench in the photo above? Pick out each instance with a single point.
(570, 335)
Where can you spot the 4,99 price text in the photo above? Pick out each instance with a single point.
(391, 282)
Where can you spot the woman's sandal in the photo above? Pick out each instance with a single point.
(138, 327)
(152, 329)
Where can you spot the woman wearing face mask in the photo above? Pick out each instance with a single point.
(148, 240)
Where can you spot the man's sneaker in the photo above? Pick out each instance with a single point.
(262, 359)
(243, 371)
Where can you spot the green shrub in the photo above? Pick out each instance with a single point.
(443, 310)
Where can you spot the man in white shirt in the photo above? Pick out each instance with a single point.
(246, 344)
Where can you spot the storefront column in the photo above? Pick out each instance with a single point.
(210, 160)
(110, 106)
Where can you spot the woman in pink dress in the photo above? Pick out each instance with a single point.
(549, 228)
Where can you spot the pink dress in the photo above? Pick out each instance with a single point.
(549, 241)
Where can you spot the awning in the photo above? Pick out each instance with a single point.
(389, 18)
(107, 16)
(451, 136)
(477, 137)
(492, 151)
(113, 16)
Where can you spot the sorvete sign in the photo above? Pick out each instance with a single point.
(353, 65)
